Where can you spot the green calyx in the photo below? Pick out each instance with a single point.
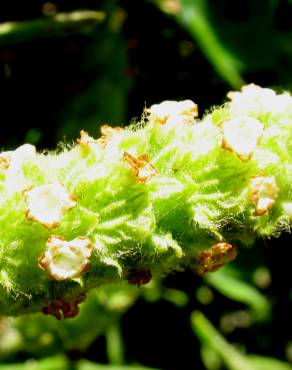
(169, 194)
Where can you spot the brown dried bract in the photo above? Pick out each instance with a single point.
(214, 258)
(63, 307)
(107, 133)
(141, 167)
(139, 277)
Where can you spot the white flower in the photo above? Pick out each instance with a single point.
(183, 111)
(48, 203)
(256, 101)
(66, 259)
(241, 135)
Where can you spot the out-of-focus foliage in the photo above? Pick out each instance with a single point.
(104, 98)
(236, 289)
(42, 335)
(61, 363)
(213, 343)
(59, 24)
(195, 17)
(54, 84)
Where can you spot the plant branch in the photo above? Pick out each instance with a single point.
(169, 194)
(59, 24)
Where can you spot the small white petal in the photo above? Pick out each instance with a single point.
(170, 109)
(18, 156)
(12, 163)
(255, 100)
(241, 135)
(48, 203)
(14, 159)
(66, 259)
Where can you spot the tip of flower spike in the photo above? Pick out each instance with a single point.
(242, 135)
(184, 111)
(263, 193)
(66, 259)
(214, 258)
(141, 167)
(47, 203)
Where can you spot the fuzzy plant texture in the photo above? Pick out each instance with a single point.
(169, 193)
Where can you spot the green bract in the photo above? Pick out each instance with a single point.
(169, 194)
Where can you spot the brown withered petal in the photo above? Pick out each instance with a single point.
(143, 170)
(139, 276)
(64, 307)
(215, 257)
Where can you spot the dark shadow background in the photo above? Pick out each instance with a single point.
(52, 87)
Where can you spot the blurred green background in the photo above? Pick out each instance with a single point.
(72, 65)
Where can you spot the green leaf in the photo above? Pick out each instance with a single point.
(114, 344)
(240, 291)
(268, 363)
(210, 358)
(51, 363)
(60, 363)
(232, 358)
(213, 341)
(87, 365)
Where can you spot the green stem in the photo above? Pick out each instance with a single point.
(170, 194)
(59, 24)
(210, 336)
(114, 344)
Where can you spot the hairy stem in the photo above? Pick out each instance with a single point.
(169, 194)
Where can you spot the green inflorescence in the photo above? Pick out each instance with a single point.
(171, 193)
